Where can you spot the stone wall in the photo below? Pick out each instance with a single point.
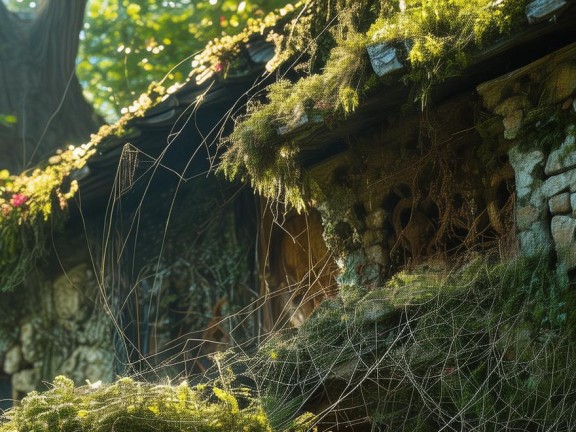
(58, 329)
(538, 109)
(546, 199)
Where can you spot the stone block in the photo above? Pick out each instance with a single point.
(560, 204)
(538, 200)
(559, 183)
(375, 254)
(372, 237)
(13, 360)
(512, 124)
(560, 84)
(384, 58)
(89, 363)
(539, 10)
(376, 219)
(68, 293)
(28, 342)
(526, 169)
(564, 234)
(300, 119)
(562, 159)
(25, 381)
(512, 111)
(573, 203)
(535, 240)
(528, 215)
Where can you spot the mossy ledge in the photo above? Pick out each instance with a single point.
(487, 347)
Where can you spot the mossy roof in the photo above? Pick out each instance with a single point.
(168, 126)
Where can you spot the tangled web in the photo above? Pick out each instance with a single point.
(488, 347)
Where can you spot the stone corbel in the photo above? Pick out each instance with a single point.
(548, 81)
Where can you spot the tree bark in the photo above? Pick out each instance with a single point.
(38, 84)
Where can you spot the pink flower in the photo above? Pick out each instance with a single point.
(18, 200)
(218, 67)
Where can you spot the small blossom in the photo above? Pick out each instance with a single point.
(18, 200)
(5, 209)
(218, 67)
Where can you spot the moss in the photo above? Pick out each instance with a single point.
(484, 347)
(442, 38)
(127, 405)
(34, 202)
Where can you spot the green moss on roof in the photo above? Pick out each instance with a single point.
(34, 202)
(439, 39)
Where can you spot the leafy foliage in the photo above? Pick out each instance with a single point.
(128, 405)
(126, 45)
(32, 199)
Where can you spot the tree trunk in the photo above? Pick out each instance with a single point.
(38, 83)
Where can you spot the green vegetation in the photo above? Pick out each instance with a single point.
(27, 200)
(486, 348)
(127, 406)
(438, 39)
(128, 44)
(33, 203)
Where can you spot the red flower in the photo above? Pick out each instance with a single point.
(218, 67)
(18, 200)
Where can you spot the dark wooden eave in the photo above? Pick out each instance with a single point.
(179, 130)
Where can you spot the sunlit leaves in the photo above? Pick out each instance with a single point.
(128, 44)
(8, 120)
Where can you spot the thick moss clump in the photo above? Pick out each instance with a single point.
(128, 405)
(437, 39)
(486, 348)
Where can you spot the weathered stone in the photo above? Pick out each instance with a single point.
(89, 363)
(535, 240)
(564, 234)
(13, 360)
(562, 159)
(511, 105)
(528, 215)
(372, 237)
(376, 219)
(526, 166)
(512, 110)
(512, 124)
(559, 183)
(560, 85)
(384, 58)
(375, 254)
(539, 10)
(560, 204)
(573, 203)
(25, 381)
(28, 343)
(96, 331)
(68, 294)
(538, 199)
